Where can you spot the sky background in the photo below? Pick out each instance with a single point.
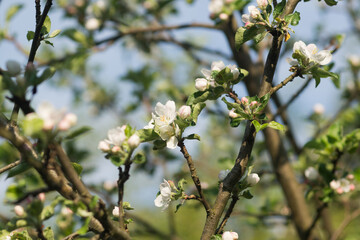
(116, 62)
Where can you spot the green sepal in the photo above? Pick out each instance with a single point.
(193, 137)
(147, 135)
(139, 158)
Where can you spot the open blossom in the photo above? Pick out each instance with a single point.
(229, 236)
(67, 122)
(215, 6)
(311, 173)
(342, 185)
(319, 109)
(163, 123)
(164, 198)
(311, 53)
(252, 179)
(116, 137)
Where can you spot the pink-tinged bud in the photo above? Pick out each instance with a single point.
(262, 4)
(252, 179)
(233, 114)
(115, 149)
(224, 16)
(339, 191)
(184, 111)
(48, 124)
(134, 141)
(334, 184)
(201, 84)
(19, 210)
(63, 125)
(350, 176)
(352, 187)
(244, 100)
(115, 211)
(229, 236)
(104, 146)
(41, 197)
(66, 211)
(253, 103)
(109, 185)
(172, 184)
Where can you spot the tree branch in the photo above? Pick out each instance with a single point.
(9, 166)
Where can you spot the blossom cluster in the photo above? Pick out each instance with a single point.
(343, 185)
(52, 117)
(115, 142)
(164, 198)
(163, 122)
(208, 81)
(254, 16)
(246, 106)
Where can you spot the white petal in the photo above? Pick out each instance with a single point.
(172, 142)
(292, 62)
(323, 57)
(159, 201)
(160, 109)
(245, 18)
(298, 46)
(312, 48)
(150, 125)
(217, 66)
(206, 73)
(166, 132)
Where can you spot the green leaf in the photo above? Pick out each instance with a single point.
(78, 168)
(246, 194)
(197, 108)
(235, 122)
(22, 167)
(77, 132)
(293, 18)
(260, 36)
(331, 2)
(85, 227)
(127, 206)
(48, 233)
(257, 125)
(49, 43)
(139, 158)
(15, 191)
(47, 213)
(277, 126)
(12, 11)
(54, 33)
(193, 137)
(23, 235)
(159, 144)
(30, 35)
(216, 237)
(198, 97)
(279, 9)
(147, 135)
(245, 34)
(47, 73)
(315, 144)
(224, 76)
(46, 26)
(33, 126)
(357, 174)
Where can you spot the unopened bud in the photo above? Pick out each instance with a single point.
(244, 100)
(201, 84)
(92, 24)
(134, 141)
(233, 114)
(184, 111)
(19, 210)
(252, 179)
(13, 67)
(104, 146)
(116, 212)
(41, 197)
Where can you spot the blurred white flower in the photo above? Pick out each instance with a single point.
(115, 211)
(262, 4)
(319, 109)
(252, 17)
(67, 122)
(164, 198)
(234, 70)
(13, 67)
(103, 146)
(233, 114)
(311, 173)
(19, 210)
(92, 24)
(215, 6)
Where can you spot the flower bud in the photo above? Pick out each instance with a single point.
(19, 210)
(41, 197)
(67, 122)
(134, 141)
(115, 149)
(13, 67)
(262, 4)
(350, 176)
(252, 179)
(352, 187)
(92, 24)
(253, 103)
(115, 211)
(104, 146)
(201, 84)
(254, 12)
(319, 109)
(229, 236)
(233, 114)
(224, 16)
(244, 100)
(184, 111)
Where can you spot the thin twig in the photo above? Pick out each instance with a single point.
(194, 175)
(32, 194)
(10, 166)
(123, 177)
(283, 83)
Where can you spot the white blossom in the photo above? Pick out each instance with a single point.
(67, 122)
(354, 60)
(201, 84)
(229, 236)
(233, 114)
(116, 137)
(342, 185)
(222, 174)
(311, 173)
(48, 114)
(235, 71)
(311, 52)
(116, 212)
(262, 4)
(184, 111)
(13, 67)
(252, 179)
(164, 198)
(103, 146)
(252, 17)
(134, 141)
(164, 114)
(215, 6)
(92, 24)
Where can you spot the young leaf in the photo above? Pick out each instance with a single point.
(147, 135)
(197, 108)
(279, 9)
(293, 18)
(331, 2)
(30, 35)
(49, 43)
(78, 132)
(78, 168)
(245, 34)
(12, 11)
(47, 25)
(193, 137)
(277, 126)
(55, 33)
